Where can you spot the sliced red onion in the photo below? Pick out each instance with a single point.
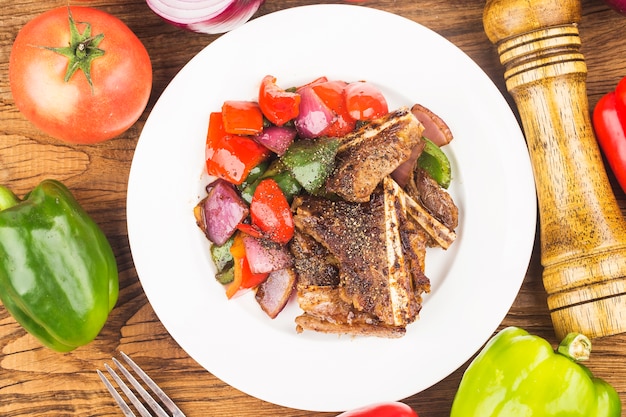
(223, 210)
(265, 256)
(435, 128)
(274, 293)
(402, 174)
(314, 117)
(276, 138)
(206, 16)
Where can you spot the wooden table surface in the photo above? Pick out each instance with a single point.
(35, 381)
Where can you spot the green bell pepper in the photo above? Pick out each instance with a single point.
(58, 273)
(520, 375)
(311, 161)
(436, 163)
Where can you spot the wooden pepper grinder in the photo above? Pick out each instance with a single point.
(582, 230)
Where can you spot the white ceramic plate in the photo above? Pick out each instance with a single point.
(474, 283)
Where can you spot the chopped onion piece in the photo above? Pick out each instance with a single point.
(222, 210)
(265, 256)
(276, 138)
(273, 293)
(314, 117)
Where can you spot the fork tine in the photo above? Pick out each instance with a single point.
(129, 394)
(118, 399)
(176, 412)
(144, 394)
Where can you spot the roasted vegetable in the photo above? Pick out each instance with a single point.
(219, 214)
(311, 161)
(436, 163)
(270, 212)
(58, 273)
(273, 293)
(518, 374)
(229, 156)
(243, 277)
(278, 106)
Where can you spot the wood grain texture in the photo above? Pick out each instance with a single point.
(37, 382)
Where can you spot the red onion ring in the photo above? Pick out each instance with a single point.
(205, 16)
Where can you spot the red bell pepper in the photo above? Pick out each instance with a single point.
(278, 106)
(242, 117)
(391, 409)
(243, 277)
(609, 122)
(229, 156)
(270, 212)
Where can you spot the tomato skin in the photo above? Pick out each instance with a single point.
(270, 212)
(71, 111)
(364, 101)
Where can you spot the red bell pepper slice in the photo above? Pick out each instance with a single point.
(244, 278)
(609, 122)
(278, 106)
(242, 117)
(271, 213)
(250, 229)
(229, 156)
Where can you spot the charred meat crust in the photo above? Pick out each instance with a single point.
(377, 252)
(434, 198)
(371, 153)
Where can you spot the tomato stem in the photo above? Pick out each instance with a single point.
(81, 51)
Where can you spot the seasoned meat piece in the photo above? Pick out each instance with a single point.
(375, 276)
(435, 199)
(371, 153)
(314, 265)
(309, 322)
(439, 233)
(327, 312)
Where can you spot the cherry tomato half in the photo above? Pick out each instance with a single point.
(100, 100)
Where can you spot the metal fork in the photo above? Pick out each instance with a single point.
(147, 397)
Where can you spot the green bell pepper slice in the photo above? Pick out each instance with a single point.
(436, 163)
(520, 375)
(58, 272)
(311, 161)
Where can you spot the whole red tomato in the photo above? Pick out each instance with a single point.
(106, 92)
